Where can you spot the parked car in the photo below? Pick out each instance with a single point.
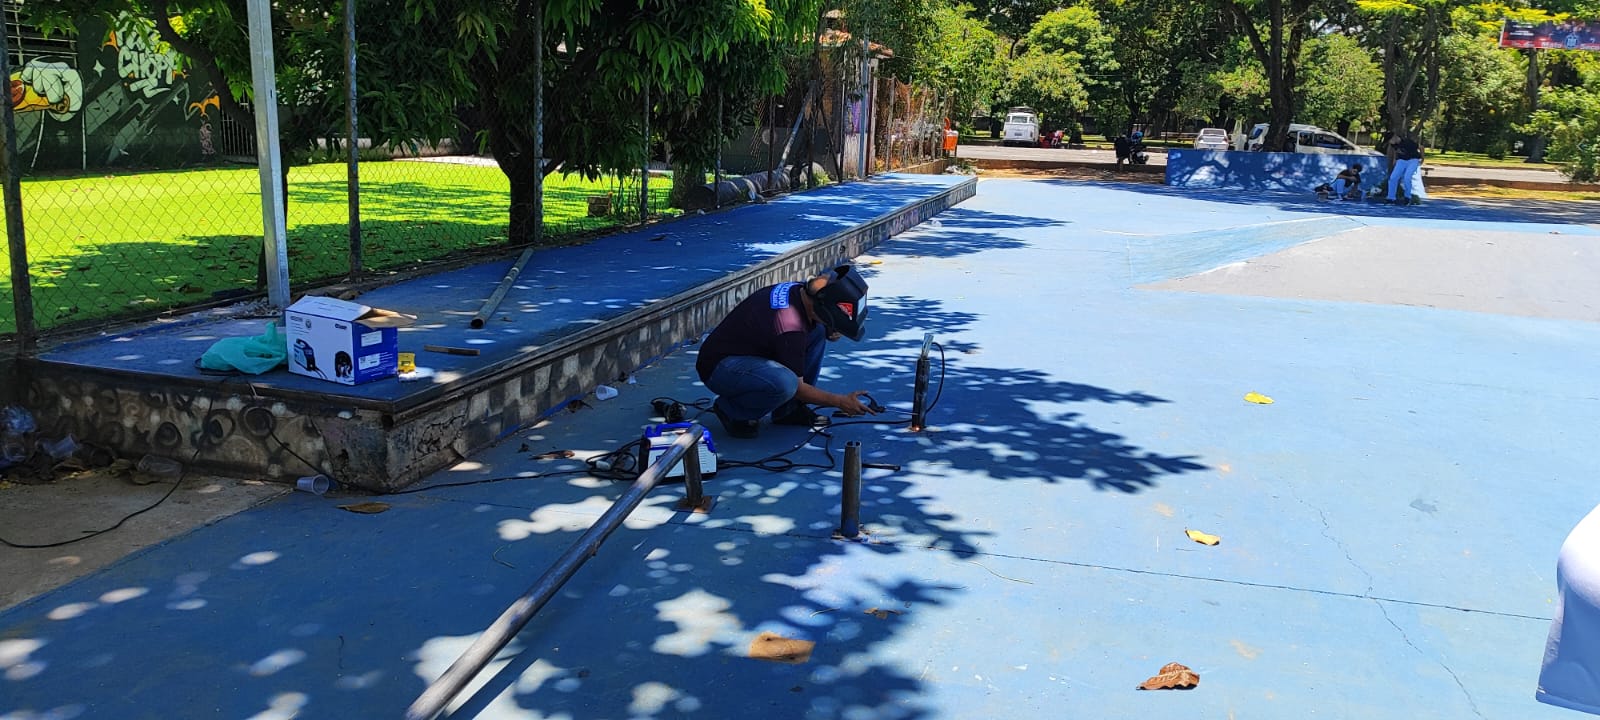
(1309, 139)
(1022, 127)
(1212, 139)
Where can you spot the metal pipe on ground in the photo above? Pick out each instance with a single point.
(850, 498)
(493, 303)
(439, 694)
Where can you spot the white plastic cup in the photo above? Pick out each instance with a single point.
(314, 484)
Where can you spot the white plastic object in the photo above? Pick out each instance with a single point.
(1570, 677)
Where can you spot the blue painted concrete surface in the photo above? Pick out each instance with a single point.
(562, 289)
(1273, 172)
(1389, 525)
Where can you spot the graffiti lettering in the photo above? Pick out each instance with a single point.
(143, 61)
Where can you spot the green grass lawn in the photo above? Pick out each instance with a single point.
(105, 245)
(1446, 157)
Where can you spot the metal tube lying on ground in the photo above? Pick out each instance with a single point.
(493, 303)
(439, 694)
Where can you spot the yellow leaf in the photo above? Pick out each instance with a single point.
(1202, 538)
(1257, 398)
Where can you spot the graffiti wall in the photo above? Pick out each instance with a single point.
(123, 99)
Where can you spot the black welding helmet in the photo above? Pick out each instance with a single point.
(842, 304)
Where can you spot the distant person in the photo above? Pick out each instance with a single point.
(1347, 185)
(1123, 148)
(1407, 158)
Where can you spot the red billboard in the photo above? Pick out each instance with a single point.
(1553, 35)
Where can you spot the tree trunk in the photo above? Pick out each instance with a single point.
(1530, 96)
(523, 208)
(686, 176)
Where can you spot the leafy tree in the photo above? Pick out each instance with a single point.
(1408, 37)
(964, 61)
(1059, 61)
(1239, 85)
(1480, 94)
(1012, 19)
(1571, 119)
(1156, 46)
(1277, 31)
(1340, 85)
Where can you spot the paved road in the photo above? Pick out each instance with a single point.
(994, 152)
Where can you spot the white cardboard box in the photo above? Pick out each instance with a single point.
(343, 342)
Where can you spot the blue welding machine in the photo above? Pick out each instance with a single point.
(657, 438)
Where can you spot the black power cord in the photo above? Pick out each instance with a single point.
(96, 533)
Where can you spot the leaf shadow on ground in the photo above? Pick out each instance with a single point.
(964, 231)
(300, 608)
(1017, 432)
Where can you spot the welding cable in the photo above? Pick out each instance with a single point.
(940, 392)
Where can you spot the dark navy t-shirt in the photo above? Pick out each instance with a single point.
(770, 324)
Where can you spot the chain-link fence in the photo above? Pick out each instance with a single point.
(909, 125)
(141, 192)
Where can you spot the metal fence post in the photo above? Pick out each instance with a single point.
(16, 237)
(538, 121)
(850, 497)
(716, 183)
(353, 183)
(644, 168)
(888, 155)
(864, 116)
(269, 154)
(772, 141)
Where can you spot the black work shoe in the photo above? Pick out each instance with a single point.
(742, 429)
(799, 415)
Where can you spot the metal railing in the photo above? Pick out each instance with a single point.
(439, 694)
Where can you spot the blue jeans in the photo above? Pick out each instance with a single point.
(1400, 176)
(749, 387)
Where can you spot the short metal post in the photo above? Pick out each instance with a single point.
(850, 499)
(694, 495)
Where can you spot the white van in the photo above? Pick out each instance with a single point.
(1022, 127)
(1309, 139)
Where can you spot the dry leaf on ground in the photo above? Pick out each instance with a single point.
(1202, 537)
(366, 508)
(1173, 676)
(777, 648)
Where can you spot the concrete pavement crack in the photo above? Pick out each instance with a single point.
(1327, 532)
(1453, 676)
(1138, 571)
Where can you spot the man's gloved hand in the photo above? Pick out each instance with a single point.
(852, 405)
